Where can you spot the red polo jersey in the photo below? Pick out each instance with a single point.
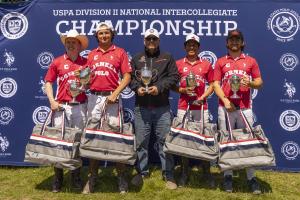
(203, 71)
(106, 68)
(62, 69)
(227, 66)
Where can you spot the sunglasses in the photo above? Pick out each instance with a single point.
(151, 38)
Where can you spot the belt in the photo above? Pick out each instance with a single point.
(102, 93)
(71, 103)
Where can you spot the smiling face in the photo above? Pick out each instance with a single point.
(72, 45)
(105, 36)
(235, 44)
(192, 48)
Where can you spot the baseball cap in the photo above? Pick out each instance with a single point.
(192, 37)
(151, 31)
(104, 26)
(235, 33)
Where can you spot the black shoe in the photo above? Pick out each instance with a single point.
(254, 186)
(58, 180)
(138, 180)
(228, 183)
(122, 184)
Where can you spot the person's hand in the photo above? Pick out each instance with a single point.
(112, 99)
(141, 91)
(153, 90)
(229, 105)
(190, 90)
(77, 72)
(245, 81)
(54, 105)
(200, 100)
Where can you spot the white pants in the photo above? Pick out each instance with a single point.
(236, 122)
(75, 115)
(95, 105)
(195, 115)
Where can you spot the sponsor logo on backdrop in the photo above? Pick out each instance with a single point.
(128, 115)
(6, 115)
(9, 60)
(42, 92)
(4, 144)
(289, 61)
(127, 93)
(44, 59)
(40, 114)
(289, 91)
(13, 25)
(254, 93)
(284, 24)
(85, 53)
(289, 120)
(210, 56)
(8, 87)
(290, 150)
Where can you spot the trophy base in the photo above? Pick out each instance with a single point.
(192, 95)
(235, 97)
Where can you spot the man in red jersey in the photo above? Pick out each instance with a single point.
(64, 70)
(246, 67)
(203, 72)
(107, 62)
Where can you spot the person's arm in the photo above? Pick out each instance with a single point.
(125, 81)
(49, 92)
(207, 92)
(220, 93)
(256, 83)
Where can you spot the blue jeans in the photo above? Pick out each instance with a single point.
(153, 121)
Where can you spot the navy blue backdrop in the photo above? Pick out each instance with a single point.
(29, 41)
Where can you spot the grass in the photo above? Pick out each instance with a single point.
(34, 183)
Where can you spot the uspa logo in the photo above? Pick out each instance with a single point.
(8, 87)
(13, 25)
(44, 59)
(85, 53)
(290, 92)
(40, 114)
(6, 115)
(41, 93)
(289, 61)
(289, 120)
(4, 144)
(128, 115)
(209, 56)
(9, 60)
(290, 150)
(284, 23)
(127, 93)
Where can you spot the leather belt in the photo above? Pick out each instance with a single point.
(101, 93)
(71, 103)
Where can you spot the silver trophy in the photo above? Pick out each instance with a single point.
(191, 83)
(235, 83)
(77, 87)
(146, 75)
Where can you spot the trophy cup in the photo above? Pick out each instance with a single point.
(77, 87)
(146, 75)
(191, 83)
(235, 83)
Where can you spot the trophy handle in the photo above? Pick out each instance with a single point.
(137, 74)
(154, 74)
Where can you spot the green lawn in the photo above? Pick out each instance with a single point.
(35, 183)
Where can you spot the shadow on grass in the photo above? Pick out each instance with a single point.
(107, 181)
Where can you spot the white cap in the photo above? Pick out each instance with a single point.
(151, 31)
(104, 26)
(74, 34)
(192, 37)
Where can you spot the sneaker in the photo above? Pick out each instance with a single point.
(228, 183)
(182, 180)
(171, 185)
(122, 184)
(90, 185)
(138, 180)
(254, 186)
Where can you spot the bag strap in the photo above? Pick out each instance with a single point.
(228, 125)
(186, 115)
(49, 116)
(247, 123)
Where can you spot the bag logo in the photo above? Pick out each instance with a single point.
(6, 115)
(290, 150)
(289, 120)
(13, 25)
(8, 87)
